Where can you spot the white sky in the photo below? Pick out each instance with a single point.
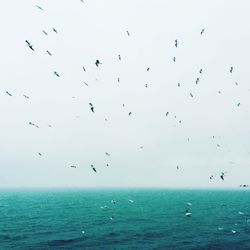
(94, 30)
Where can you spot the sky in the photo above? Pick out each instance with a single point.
(204, 135)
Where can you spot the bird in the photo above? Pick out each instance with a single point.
(179, 84)
(39, 7)
(26, 96)
(39, 154)
(128, 33)
(187, 213)
(218, 145)
(8, 93)
(174, 59)
(119, 57)
(191, 95)
(238, 104)
(131, 201)
(73, 166)
(197, 80)
(97, 62)
(200, 71)
(83, 68)
(211, 177)
(148, 69)
(49, 125)
(118, 79)
(222, 176)
(177, 167)
(236, 84)
(231, 70)
(33, 124)
(45, 33)
(130, 113)
(91, 107)
(56, 74)
(107, 165)
(146, 85)
(167, 113)
(202, 31)
(85, 83)
(93, 168)
(106, 153)
(54, 30)
(29, 45)
(176, 43)
(189, 204)
(48, 53)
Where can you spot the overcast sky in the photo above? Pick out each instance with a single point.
(96, 29)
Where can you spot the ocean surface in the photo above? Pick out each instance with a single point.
(124, 219)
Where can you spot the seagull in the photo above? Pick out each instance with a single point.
(191, 95)
(177, 167)
(31, 123)
(197, 80)
(189, 204)
(130, 113)
(148, 69)
(107, 165)
(91, 107)
(48, 53)
(131, 201)
(49, 125)
(167, 113)
(26, 96)
(240, 213)
(211, 177)
(107, 153)
(97, 62)
(54, 30)
(238, 104)
(83, 232)
(83, 68)
(8, 93)
(179, 84)
(73, 166)
(187, 213)
(118, 79)
(146, 85)
(29, 45)
(231, 70)
(176, 43)
(93, 168)
(40, 154)
(39, 7)
(236, 84)
(85, 83)
(233, 231)
(44, 32)
(56, 74)
(119, 56)
(202, 31)
(112, 217)
(174, 59)
(200, 71)
(128, 33)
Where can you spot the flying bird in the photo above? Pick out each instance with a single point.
(222, 176)
(39, 154)
(174, 59)
(197, 80)
(200, 71)
(97, 62)
(148, 69)
(191, 95)
(202, 31)
(231, 70)
(83, 68)
(238, 104)
(93, 168)
(106, 153)
(176, 43)
(130, 113)
(119, 57)
(211, 177)
(167, 113)
(73, 166)
(45, 33)
(8, 93)
(54, 30)
(187, 213)
(39, 7)
(48, 53)
(128, 33)
(91, 107)
(179, 84)
(56, 74)
(26, 96)
(29, 45)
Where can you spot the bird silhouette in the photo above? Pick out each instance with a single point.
(45, 33)
(93, 168)
(48, 53)
(91, 107)
(97, 62)
(56, 74)
(231, 70)
(202, 31)
(8, 93)
(29, 45)
(176, 43)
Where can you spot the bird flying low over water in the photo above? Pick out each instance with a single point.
(197, 80)
(29, 45)
(83, 68)
(222, 176)
(106, 153)
(238, 104)
(39, 154)
(26, 96)
(231, 70)
(119, 57)
(167, 113)
(176, 43)
(174, 59)
(48, 53)
(187, 213)
(54, 30)
(200, 71)
(93, 168)
(211, 177)
(97, 62)
(91, 107)
(191, 95)
(148, 69)
(130, 113)
(73, 166)
(128, 33)
(202, 31)
(8, 93)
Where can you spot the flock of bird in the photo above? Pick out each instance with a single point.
(98, 63)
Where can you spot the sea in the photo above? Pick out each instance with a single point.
(124, 219)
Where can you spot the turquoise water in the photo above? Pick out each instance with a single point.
(55, 219)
